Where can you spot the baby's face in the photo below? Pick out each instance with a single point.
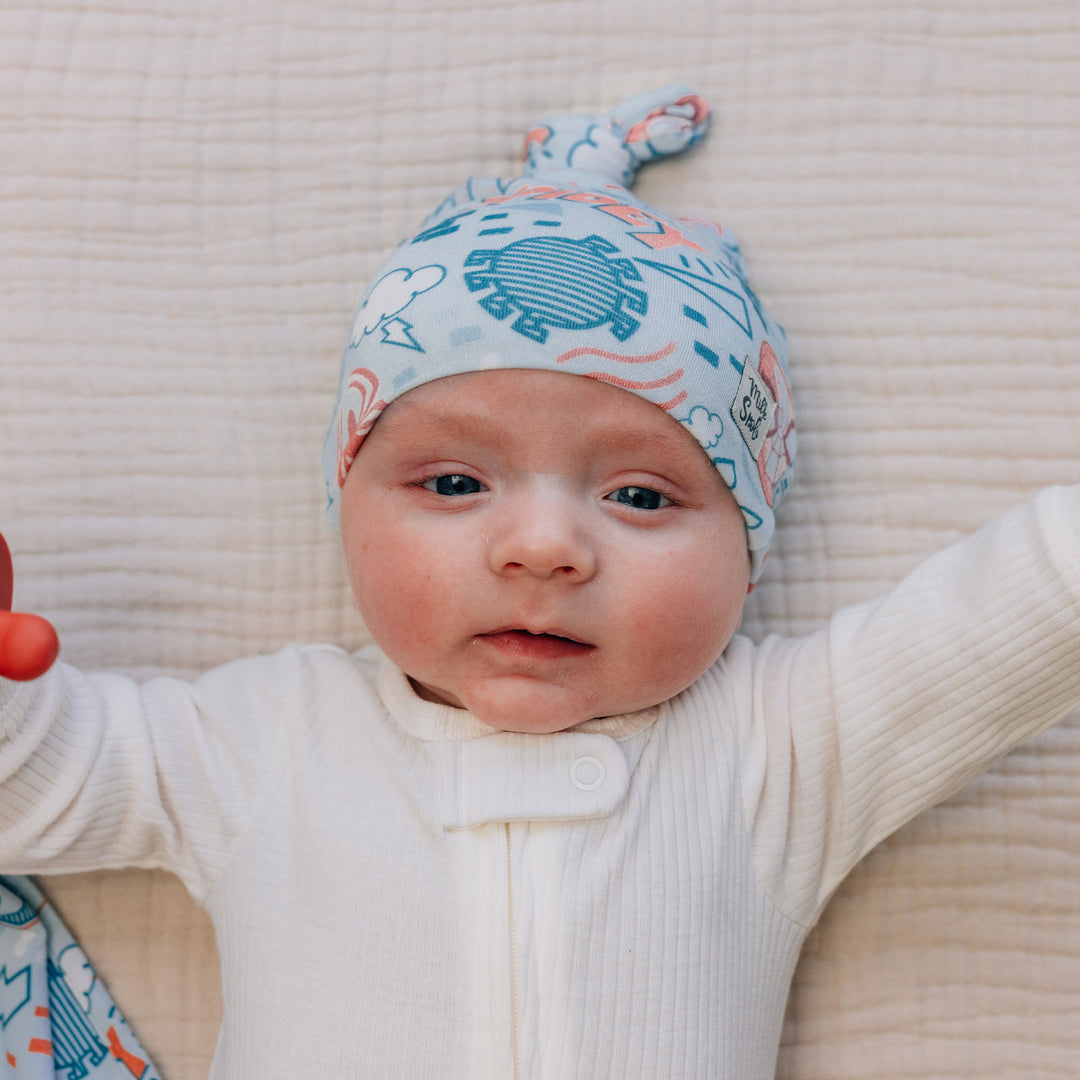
(541, 548)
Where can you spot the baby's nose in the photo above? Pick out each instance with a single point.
(542, 538)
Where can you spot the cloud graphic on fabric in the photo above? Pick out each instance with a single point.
(602, 152)
(78, 973)
(707, 426)
(391, 294)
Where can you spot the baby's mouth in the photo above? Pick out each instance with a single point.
(517, 641)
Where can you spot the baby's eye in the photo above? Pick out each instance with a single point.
(640, 498)
(453, 484)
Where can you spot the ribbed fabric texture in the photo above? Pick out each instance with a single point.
(369, 926)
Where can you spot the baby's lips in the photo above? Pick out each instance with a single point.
(28, 643)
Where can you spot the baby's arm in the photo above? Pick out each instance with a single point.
(97, 771)
(901, 701)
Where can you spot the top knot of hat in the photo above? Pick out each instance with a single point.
(563, 269)
(609, 148)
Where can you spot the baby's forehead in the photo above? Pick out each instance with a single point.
(524, 403)
(543, 422)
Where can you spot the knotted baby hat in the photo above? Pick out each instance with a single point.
(563, 269)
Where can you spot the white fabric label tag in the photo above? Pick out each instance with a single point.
(753, 409)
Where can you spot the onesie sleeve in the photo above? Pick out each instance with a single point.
(97, 771)
(899, 702)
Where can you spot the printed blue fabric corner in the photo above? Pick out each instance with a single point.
(57, 1021)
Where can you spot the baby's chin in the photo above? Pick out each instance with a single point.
(531, 706)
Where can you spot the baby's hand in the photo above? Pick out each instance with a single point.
(28, 644)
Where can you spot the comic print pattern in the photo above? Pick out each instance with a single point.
(778, 449)
(615, 143)
(552, 281)
(57, 1021)
(564, 269)
(640, 386)
(354, 424)
(387, 298)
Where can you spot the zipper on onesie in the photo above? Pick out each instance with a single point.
(512, 927)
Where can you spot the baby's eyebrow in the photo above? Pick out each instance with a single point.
(605, 437)
(666, 441)
(459, 425)
(601, 438)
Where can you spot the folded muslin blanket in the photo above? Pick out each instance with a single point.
(56, 1018)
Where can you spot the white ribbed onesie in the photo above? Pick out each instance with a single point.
(399, 892)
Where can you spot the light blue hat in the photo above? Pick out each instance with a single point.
(563, 269)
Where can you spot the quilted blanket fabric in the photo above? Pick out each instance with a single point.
(190, 198)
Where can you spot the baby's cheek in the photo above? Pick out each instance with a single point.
(405, 608)
(697, 629)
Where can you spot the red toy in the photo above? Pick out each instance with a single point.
(28, 644)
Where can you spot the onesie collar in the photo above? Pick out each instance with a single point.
(487, 776)
(431, 721)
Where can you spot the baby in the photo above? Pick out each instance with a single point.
(561, 821)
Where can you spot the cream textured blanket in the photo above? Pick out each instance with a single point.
(190, 197)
